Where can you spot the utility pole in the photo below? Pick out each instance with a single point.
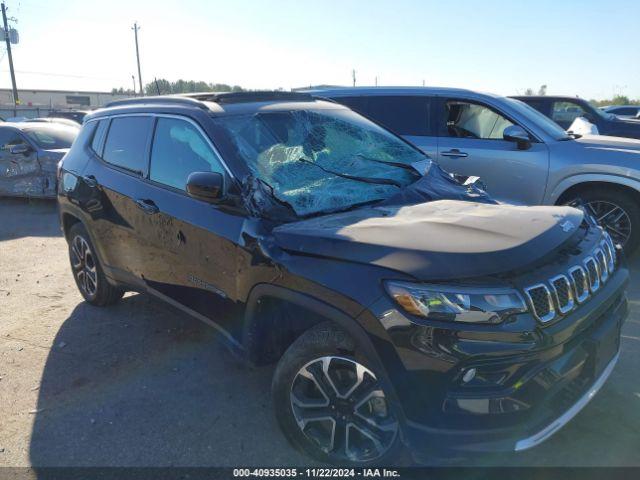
(16, 100)
(135, 29)
(376, 80)
(133, 79)
(353, 75)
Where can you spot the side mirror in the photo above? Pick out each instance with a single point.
(19, 149)
(516, 133)
(207, 186)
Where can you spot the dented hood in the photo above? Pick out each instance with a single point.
(445, 239)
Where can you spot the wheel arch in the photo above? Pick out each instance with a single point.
(260, 323)
(573, 185)
(68, 220)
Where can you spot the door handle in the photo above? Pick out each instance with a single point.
(90, 181)
(454, 153)
(147, 206)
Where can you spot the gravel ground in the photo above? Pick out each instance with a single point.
(140, 384)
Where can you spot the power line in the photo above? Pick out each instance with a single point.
(31, 72)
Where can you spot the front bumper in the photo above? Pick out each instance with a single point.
(553, 372)
(562, 420)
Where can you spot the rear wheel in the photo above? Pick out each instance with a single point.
(330, 404)
(618, 213)
(87, 272)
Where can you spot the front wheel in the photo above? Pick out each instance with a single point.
(330, 404)
(618, 213)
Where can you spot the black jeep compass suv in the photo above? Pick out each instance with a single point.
(402, 307)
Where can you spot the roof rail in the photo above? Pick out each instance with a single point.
(253, 96)
(160, 100)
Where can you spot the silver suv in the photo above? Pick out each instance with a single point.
(520, 155)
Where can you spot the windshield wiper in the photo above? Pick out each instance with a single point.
(392, 164)
(377, 181)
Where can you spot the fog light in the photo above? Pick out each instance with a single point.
(469, 375)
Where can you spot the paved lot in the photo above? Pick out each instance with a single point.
(139, 384)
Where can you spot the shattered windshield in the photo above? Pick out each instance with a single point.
(323, 160)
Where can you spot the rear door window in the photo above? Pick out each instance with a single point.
(357, 104)
(126, 144)
(404, 115)
(564, 113)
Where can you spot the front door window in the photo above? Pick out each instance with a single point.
(472, 120)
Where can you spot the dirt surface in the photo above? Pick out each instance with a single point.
(140, 384)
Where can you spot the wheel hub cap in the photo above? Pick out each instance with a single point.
(84, 266)
(340, 406)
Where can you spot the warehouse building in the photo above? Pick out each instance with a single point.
(38, 103)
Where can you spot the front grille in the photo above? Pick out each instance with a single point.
(561, 293)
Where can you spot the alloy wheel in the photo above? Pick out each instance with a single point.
(339, 405)
(613, 218)
(84, 266)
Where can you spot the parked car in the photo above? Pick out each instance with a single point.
(519, 154)
(564, 110)
(59, 120)
(397, 302)
(75, 115)
(623, 111)
(29, 155)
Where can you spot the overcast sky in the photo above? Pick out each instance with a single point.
(588, 48)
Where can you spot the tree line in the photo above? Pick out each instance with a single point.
(162, 86)
(616, 100)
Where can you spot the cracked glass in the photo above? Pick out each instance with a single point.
(323, 160)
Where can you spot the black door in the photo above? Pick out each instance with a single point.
(116, 182)
(189, 245)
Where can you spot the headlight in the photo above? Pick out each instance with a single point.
(457, 304)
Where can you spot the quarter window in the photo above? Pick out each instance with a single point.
(98, 136)
(126, 144)
(472, 120)
(178, 150)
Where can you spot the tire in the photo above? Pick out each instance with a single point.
(621, 204)
(308, 417)
(87, 271)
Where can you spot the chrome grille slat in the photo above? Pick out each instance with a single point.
(608, 253)
(540, 298)
(561, 287)
(580, 283)
(562, 293)
(601, 260)
(593, 273)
